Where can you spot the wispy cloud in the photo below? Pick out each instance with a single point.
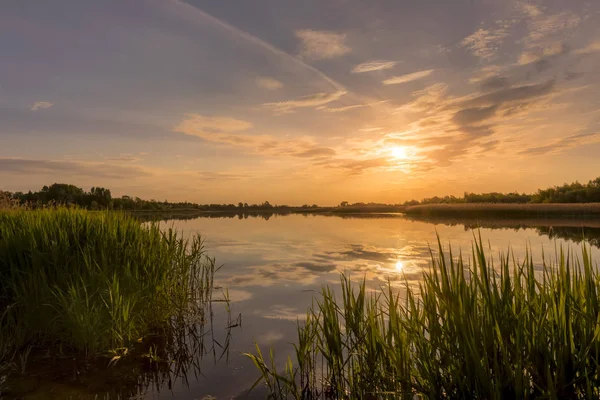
(560, 145)
(474, 115)
(319, 45)
(543, 52)
(268, 83)
(313, 100)
(220, 176)
(530, 9)
(546, 33)
(231, 131)
(377, 65)
(201, 126)
(542, 27)
(484, 43)
(68, 168)
(342, 109)
(493, 83)
(40, 105)
(449, 129)
(124, 157)
(512, 94)
(194, 13)
(395, 80)
(590, 48)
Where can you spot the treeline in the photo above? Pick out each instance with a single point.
(101, 198)
(568, 193)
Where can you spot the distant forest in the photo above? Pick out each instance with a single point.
(101, 198)
(567, 193)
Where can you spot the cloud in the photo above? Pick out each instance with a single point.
(474, 115)
(377, 65)
(494, 83)
(517, 93)
(316, 266)
(315, 152)
(57, 168)
(194, 13)
(220, 176)
(213, 128)
(546, 33)
(560, 145)
(530, 10)
(124, 157)
(395, 80)
(357, 167)
(224, 130)
(319, 45)
(230, 131)
(447, 129)
(342, 109)
(541, 26)
(40, 105)
(484, 43)
(590, 48)
(313, 100)
(269, 83)
(543, 53)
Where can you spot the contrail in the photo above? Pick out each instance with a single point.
(254, 40)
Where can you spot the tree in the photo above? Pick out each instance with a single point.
(344, 204)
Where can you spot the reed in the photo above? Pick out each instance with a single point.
(472, 329)
(500, 210)
(84, 283)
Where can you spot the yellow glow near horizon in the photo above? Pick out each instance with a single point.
(399, 265)
(399, 152)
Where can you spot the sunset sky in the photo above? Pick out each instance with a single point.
(312, 101)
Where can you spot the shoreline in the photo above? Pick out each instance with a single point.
(474, 211)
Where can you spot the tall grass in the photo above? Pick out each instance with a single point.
(82, 283)
(500, 210)
(471, 330)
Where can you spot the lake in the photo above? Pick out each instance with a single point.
(273, 267)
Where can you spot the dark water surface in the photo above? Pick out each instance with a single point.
(272, 268)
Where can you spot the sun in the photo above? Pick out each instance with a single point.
(399, 152)
(399, 265)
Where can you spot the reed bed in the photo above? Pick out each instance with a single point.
(487, 210)
(473, 329)
(82, 284)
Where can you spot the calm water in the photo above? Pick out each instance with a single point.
(273, 267)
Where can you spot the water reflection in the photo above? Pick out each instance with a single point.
(158, 365)
(274, 268)
(574, 230)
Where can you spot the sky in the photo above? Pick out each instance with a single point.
(313, 101)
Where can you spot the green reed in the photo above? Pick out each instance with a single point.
(83, 283)
(471, 329)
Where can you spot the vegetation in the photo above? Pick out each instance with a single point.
(77, 283)
(567, 193)
(579, 231)
(581, 210)
(101, 198)
(471, 330)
